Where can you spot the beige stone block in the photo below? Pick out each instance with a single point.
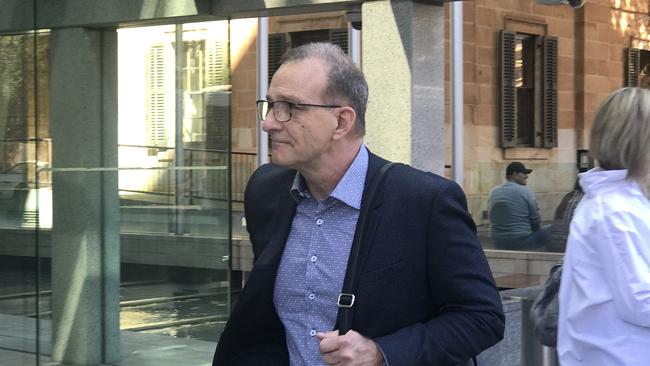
(486, 55)
(524, 153)
(486, 74)
(488, 135)
(486, 115)
(566, 138)
(598, 13)
(567, 155)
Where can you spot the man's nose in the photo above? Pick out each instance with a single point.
(270, 123)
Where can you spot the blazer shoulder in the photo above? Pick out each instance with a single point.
(415, 179)
(272, 172)
(270, 177)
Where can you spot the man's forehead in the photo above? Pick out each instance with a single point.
(295, 78)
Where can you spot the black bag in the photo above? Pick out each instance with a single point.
(545, 310)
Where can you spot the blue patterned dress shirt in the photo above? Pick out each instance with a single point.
(312, 269)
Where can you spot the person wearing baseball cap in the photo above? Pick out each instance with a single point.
(515, 222)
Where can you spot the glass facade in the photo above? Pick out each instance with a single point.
(127, 136)
(120, 209)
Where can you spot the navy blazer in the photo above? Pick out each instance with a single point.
(425, 292)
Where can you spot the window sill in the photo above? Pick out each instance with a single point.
(527, 153)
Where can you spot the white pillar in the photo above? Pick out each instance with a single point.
(457, 102)
(406, 110)
(262, 85)
(85, 229)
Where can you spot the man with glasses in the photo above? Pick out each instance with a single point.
(424, 294)
(515, 222)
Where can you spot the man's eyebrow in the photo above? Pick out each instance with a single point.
(284, 98)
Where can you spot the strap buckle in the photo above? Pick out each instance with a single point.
(346, 300)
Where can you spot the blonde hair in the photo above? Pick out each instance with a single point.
(620, 135)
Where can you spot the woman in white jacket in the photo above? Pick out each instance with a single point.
(605, 288)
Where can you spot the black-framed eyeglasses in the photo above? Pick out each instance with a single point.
(282, 109)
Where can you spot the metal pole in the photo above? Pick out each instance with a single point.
(262, 85)
(456, 9)
(178, 146)
(354, 44)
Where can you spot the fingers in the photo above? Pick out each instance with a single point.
(329, 341)
(349, 349)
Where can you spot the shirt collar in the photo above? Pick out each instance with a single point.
(349, 190)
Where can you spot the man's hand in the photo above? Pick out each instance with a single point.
(350, 349)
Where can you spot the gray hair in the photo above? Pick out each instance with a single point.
(344, 79)
(620, 135)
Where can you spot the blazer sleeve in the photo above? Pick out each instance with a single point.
(468, 316)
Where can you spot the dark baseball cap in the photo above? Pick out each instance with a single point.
(517, 167)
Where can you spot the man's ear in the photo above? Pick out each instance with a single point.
(346, 119)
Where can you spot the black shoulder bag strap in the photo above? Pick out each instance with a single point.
(347, 297)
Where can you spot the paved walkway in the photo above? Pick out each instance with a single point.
(18, 343)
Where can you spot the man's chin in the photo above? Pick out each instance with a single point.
(278, 159)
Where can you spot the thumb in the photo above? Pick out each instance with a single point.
(322, 335)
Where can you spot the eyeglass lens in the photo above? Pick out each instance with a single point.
(281, 110)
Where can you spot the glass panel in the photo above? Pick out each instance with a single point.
(25, 193)
(172, 185)
(174, 191)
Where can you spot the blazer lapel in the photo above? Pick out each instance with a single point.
(374, 212)
(372, 221)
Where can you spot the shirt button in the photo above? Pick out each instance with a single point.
(312, 332)
(319, 222)
(313, 259)
(312, 296)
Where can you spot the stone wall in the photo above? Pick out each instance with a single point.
(591, 44)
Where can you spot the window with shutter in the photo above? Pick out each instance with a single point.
(528, 112)
(637, 68)
(156, 96)
(549, 130)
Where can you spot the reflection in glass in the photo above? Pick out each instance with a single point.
(25, 192)
(174, 199)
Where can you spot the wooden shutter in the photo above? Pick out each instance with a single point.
(275, 51)
(217, 119)
(549, 90)
(156, 96)
(217, 103)
(632, 66)
(508, 111)
(339, 37)
(216, 61)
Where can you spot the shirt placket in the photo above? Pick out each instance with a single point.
(314, 292)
